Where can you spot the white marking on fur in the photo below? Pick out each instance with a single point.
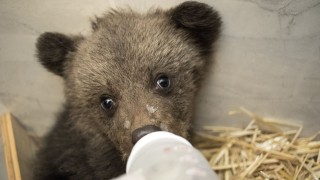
(127, 124)
(163, 127)
(151, 109)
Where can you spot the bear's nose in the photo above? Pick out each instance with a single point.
(140, 132)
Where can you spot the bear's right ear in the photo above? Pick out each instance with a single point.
(54, 49)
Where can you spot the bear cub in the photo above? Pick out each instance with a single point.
(135, 74)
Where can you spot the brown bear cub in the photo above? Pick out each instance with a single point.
(135, 74)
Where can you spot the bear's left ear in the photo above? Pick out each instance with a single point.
(54, 50)
(200, 20)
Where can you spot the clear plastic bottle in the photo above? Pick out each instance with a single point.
(165, 156)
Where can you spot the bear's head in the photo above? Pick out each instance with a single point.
(136, 73)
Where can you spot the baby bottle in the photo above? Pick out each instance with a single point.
(165, 156)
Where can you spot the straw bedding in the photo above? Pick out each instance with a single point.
(264, 149)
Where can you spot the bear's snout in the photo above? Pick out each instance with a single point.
(140, 132)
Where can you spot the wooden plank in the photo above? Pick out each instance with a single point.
(19, 148)
(26, 148)
(10, 151)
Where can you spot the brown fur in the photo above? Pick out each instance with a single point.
(121, 58)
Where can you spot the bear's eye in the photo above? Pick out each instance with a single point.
(163, 82)
(108, 104)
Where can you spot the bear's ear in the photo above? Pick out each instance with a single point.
(54, 49)
(200, 20)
